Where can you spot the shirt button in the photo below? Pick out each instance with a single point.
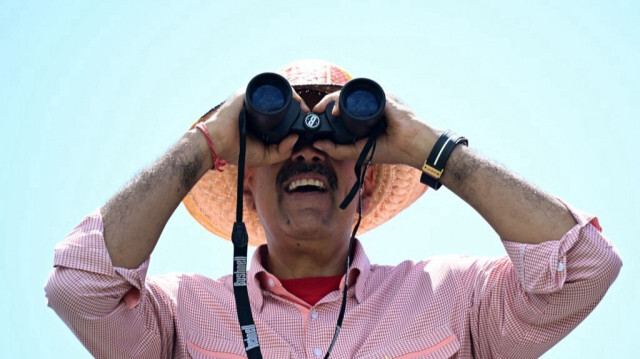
(271, 282)
(314, 315)
(560, 266)
(317, 352)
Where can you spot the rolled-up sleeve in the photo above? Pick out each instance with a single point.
(110, 309)
(531, 299)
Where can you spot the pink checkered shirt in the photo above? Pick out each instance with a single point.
(517, 306)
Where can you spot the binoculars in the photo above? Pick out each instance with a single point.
(271, 113)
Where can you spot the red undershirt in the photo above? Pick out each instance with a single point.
(312, 289)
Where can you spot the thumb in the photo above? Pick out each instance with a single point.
(279, 152)
(340, 152)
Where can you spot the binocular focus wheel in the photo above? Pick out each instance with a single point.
(312, 121)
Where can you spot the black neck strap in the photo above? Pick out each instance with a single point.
(240, 240)
(371, 145)
(358, 167)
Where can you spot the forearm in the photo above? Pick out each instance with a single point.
(517, 210)
(136, 215)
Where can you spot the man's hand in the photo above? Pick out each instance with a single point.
(405, 141)
(515, 209)
(223, 127)
(135, 216)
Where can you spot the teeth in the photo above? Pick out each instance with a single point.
(305, 182)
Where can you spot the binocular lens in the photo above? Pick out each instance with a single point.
(267, 98)
(361, 103)
(267, 101)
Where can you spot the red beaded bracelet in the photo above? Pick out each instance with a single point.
(217, 162)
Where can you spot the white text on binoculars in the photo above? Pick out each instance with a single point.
(252, 336)
(241, 271)
(312, 120)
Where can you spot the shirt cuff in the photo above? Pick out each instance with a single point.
(84, 249)
(542, 268)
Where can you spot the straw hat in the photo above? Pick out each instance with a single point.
(212, 201)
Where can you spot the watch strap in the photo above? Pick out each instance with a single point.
(433, 167)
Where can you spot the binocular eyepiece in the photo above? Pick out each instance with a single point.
(271, 113)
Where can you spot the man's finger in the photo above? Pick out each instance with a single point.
(280, 151)
(320, 106)
(303, 106)
(285, 146)
(336, 108)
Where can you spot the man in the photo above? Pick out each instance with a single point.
(558, 266)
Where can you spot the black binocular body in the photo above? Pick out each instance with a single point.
(271, 113)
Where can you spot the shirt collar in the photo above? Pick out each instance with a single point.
(260, 279)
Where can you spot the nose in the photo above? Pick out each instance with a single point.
(305, 152)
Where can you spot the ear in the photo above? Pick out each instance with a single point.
(367, 190)
(247, 189)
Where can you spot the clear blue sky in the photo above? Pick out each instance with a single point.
(90, 92)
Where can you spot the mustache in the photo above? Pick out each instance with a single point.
(294, 168)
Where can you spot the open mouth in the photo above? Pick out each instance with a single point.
(301, 177)
(305, 185)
